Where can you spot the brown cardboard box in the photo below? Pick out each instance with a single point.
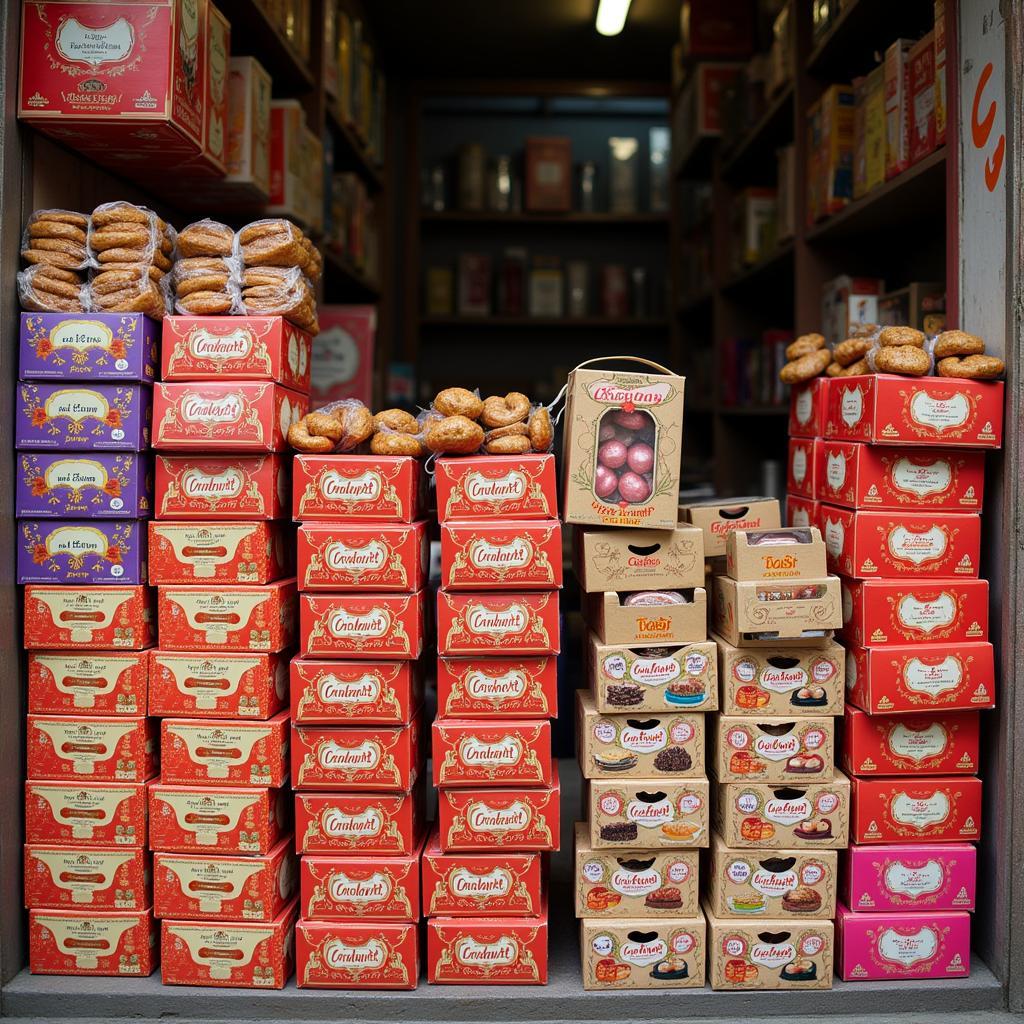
(663, 746)
(789, 553)
(635, 679)
(781, 750)
(801, 614)
(759, 815)
(618, 623)
(752, 884)
(648, 559)
(643, 953)
(548, 173)
(718, 517)
(635, 883)
(648, 814)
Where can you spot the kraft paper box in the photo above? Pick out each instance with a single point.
(642, 559)
(367, 488)
(773, 884)
(666, 952)
(802, 613)
(229, 954)
(248, 131)
(112, 879)
(229, 684)
(91, 618)
(216, 819)
(615, 622)
(634, 883)
(784, 554)
(86, 814)
(184, 552)
(772, 749)
(621, 449)
(112, 943)
(105, 485)
(488, 951)
(648, 813)
(506, 554)
(485, 687)
(356, 954)
(718, 517)
(881, 612)
(485, 884)
(236, 348)
(802, 511)
(669, 745)
(808, 408)
(790, 681)
(82, 417)
(355, 692)
(353, 887)
(215, 95)
(91, 749)
(639, 678)
(916, 810)
(894, 680)
(359, 823)
(474, 752)
(869, 476)
(760, 815)
(206, 886)
(802, 466)
(910, 877)
(225, 416)
(88, 683)
(505, 623)
(771, 954)
(82, 551)
(88, 346)
(892, 946)
(250, 487)
(374, 557)
(496, 487)
(935, 744)
(885, 409)
(362, 626)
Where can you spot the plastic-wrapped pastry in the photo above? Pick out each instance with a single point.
(43, 288)
(56, 238)
(652, 598)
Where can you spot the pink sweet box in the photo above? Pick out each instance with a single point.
(909, 877)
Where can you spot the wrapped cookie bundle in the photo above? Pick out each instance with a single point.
(206, 275)
(55, 247)
(460, 422)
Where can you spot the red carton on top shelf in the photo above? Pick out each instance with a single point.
(921, 97)
(91, 749)
(88, 683)
(76, 813)
(360, 823)
(236, 348)
(354, 954)
(251, 487)
(374, 557)
(355, 692)
(471, 752)
(93, 618)
(497, 687)
(808, 407)
(504, 554)
(114, 943)
(496, 487)
(934, 744)
(370, 626)
(802, 466)
(228, 684)
(915, 810)
(497, 623)
(368, 887)
(367, 488)
(802, 511)
(488, 951)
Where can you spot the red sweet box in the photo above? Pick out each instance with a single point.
(936, 744)
(360, 887)
(497, 687)
(85, 814)
(802, 466)
(501, 555)
(808, 407)
(236, 348)
(802, 511)
(360, 823)
(488, 951)
(86, 878)
(357, 954)
(229, 684)
(253, 487)
(940, 545)
(474, 752)
(249, 617)
(370, 626)
(355, 692)
(90, 749)
(364, 488)
(886, 409)
(183, 552)
(914, 611)
(871, 476)
(920, 677)
(115, 943)
(88, 683)
(94, 618)
(224, 751)
(496, 487)
(918, 810)
(505, 623)
(357, 757)
(230, 416)
(374, 557)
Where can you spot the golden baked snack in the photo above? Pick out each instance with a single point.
(500, 412)
(204, 303)
(206, 238)
(833, 369)
(850, 350)
(41, 227)
(46, 289)
(111, 213)
(396, 419)
(454, 435)
(542, 434)
(897, 336)
(857, 369)
(511, 430)
(972, 367)
(804, 345)
(806, 367)
(906, 360)
(274, 242)
(512, 444)
(302, 440)
(957, 343)
(395, 443)
(458, 402)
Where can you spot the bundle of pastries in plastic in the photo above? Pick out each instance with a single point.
(458, 422)
(905, 351)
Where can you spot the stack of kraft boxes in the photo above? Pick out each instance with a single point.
(358, 749)
(221, 559)
(899, 474)
(484, 884)
(84, 489)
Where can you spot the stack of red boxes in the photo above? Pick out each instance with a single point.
(220, 556)
(498, 794)
(358, 750)
(899, 478)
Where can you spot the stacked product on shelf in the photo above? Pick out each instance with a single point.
(358, 754)
(221, 558)
(84, 490)
(484, 872)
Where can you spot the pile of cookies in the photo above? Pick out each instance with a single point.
(54, 246)
(205, 275)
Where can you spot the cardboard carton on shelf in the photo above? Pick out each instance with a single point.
(484, 687)
(240, 552)
(603, 560)
(934, 744)
(379, 489)
(802, 511)
(89, 814)
(496, 487)
(361, 824)
(357, 954)
(771, 749)
(362, 626)
(788, 553)
(915, 810)
(802, 613)
(488, 951)
(88, 683)
(100, 485)
(718, 520)
(110, 943)
(90, 749)
(377, 558)
(355, 692)
(81, 416)
(248, 130)
(910, 877)
(80, 551)
(211, 488)
(474, 752)
(501, 555)
(802, 466)
(366, 887)
(61, 877)
(88, 618)
(226, 684)
(504, 623)
(808, 405)
(648, 813)
(615, 621)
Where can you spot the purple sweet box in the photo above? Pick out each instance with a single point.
(89, 346)
(95, 485)
(83, 417)
(82, 551)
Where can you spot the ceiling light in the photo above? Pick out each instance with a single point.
(611, 16)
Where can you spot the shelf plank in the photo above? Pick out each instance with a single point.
(502, 322)
(778, 264)
(575, 219)
(340, 276)
(350, 152)
(754, 153)
(253, 35)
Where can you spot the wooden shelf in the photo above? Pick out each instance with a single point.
(696, 161)
(754, 410)
(778, 264)
(590, 322)
(754, 154)
(342, 277)
(574, 219)
(350, 152)
(695, 303)
(252, 35)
